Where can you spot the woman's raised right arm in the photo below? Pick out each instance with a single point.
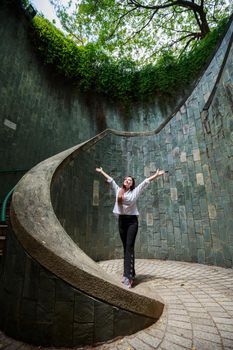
(109, 179)
(100, 170)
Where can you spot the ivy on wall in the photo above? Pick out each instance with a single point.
(92, 70)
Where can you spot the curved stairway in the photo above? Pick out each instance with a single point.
(52, 293)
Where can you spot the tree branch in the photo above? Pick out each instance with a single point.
(182, 3)
(145, 25)
(193, 36)
(186, 45)
(119, 21)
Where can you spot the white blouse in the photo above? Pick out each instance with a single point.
(129, 203)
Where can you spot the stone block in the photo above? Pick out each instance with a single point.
(163, 233)
(64, 292)
(156, 239)
(207, 233)
(104, 322)
(201, 256)
(174, 196)
(164, 250)
(196, 155)
(171, 253)
(184, 240)
(219, 256)
(31, 280)
(28, 330)
(84, 308)
(193, 248)
(83, 334)
(227, 251)
(183, 157)
(200, 179)
(63, 323)
(203, 207)
(28, 310)
(198, 226)
(200, 241)
(212, 211)
(44, 331)
(170, 239)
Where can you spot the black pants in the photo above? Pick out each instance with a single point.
(128, 228)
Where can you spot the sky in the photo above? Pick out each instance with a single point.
(46, 8)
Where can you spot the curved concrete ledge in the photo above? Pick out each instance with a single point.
(41, 234)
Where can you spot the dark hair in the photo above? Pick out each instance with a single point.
(133, 183)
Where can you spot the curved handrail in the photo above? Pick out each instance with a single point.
(42, 236)
(4, 205)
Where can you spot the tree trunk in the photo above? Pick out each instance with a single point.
(204, 26)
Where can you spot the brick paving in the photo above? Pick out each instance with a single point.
(198, 312)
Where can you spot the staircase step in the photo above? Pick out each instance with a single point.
(3, 231)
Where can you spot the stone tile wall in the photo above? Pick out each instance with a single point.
(185, 216)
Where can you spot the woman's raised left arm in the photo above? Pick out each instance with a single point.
(156, 174)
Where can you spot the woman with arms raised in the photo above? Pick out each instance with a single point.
(126, 209)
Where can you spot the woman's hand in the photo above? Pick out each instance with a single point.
(100, 170)
(159, 172)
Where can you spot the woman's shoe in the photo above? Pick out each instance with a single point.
(128, 283)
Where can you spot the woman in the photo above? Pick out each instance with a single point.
(126, 209)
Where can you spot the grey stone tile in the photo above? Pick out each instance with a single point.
(184, 333)
(138, 344)
(149, 339)
(182, 318)
(166, 345)
(227, 343)
(179, 324)
(226, 334)
(202, 321)
(205, 328)
(178, 340)
(206, 345)
(156, 332)
(207, 336)
(122, 345)
(225, 327)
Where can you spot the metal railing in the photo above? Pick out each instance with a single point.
(4, 205)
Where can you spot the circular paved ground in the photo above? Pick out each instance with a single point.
(198, 314)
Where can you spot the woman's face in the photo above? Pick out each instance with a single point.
(127, 182)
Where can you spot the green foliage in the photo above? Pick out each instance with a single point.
(92, 70)
(139, 30)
